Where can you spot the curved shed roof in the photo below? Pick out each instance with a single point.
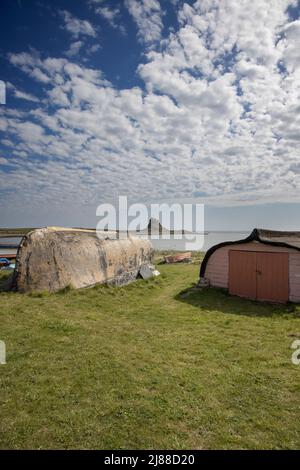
(268, 237)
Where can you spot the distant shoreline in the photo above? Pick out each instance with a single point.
(20, 232)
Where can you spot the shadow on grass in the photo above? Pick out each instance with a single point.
(218, 300)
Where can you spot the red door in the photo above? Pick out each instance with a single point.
(259, 275)
(242, 273)
(273, 277)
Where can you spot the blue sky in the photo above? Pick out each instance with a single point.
(162, 101)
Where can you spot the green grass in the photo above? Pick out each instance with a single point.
(154, 364)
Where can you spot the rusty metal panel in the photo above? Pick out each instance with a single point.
(242, 273)
(273, 277)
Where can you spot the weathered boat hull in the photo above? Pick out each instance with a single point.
(178, 258)
(51, 259)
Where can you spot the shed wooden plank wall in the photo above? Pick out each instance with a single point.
(217, 270)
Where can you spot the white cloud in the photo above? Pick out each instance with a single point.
(110, 14)
(290, 46)
(30, 64)
(147, 15)
(74, 48)
(76, 26)
(220, 116)
(21, 94)
(94, 48)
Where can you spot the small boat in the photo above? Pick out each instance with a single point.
(8, 256)
(4, 262)
(179, 257)
(11, 267)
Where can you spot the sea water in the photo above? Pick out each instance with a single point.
(210, 239)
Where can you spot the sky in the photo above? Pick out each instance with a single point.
(159, 100)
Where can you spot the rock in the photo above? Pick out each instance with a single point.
(148, 271)
(203, 282)
(156, 272)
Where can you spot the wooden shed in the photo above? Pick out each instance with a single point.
(264, 266)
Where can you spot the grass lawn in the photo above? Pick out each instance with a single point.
(148, 366)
